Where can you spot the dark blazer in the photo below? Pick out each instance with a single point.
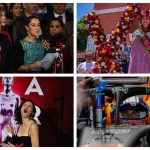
(69, 22)
(5, 54)
(68, 14)
(19, 31)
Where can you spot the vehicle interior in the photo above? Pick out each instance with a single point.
(118, 116)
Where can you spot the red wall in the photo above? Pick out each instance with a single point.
(109, 20)
(53, 88)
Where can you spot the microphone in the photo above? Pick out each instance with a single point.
(59, 40)
(41, 39)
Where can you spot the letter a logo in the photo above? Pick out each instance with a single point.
(34, 87)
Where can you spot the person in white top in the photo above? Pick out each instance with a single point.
(86, 67)
(90, 53)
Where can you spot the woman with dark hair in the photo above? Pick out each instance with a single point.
(28, 132)
(3, 23)
(30, 51)
(15, 11)
(55, 27)
(5, 54)
(140, 50)
(3, 5)
(58, 37)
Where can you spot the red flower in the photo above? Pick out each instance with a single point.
(106, 58)
(96, 70)
(110, 61)
(109, 53)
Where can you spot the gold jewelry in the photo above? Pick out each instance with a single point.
(26, 68)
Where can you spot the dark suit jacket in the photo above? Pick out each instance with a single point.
(5, 54)
(69, 22)
(19, 31)
(68, 14)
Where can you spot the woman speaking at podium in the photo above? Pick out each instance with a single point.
(30, 51)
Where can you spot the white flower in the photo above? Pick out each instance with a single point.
(94, 32)
(117, 42)
(103, 63)
(96, 21)
(118, 38)
(112, 47)
(123, 27)
(112, 37)
(113, 53)
(135, 9)
(101, 36)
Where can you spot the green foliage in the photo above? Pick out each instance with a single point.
(82, 33)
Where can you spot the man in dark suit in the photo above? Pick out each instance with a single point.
(45, 13)
(5, 54)
(59, 10)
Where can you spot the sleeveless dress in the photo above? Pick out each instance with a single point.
(22, 141)
(33, 51)
(27, 52)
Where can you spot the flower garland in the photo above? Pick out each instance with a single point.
(145, 41)
(95, 28)
(109, 52)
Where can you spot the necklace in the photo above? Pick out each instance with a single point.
(145, 41)
(30, 39)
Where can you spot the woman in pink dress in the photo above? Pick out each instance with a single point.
(140, 50)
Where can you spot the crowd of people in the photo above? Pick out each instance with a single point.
(29, 31)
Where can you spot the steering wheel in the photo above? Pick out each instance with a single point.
(134, 140)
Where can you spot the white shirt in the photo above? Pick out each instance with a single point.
(63, 16)
(85, 67)
(42, 11)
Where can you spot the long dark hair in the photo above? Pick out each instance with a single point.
(18, 116)
(53, 39)
(10, 15)
(5, 7)
(142, 28)
(54, 19)
(3, 28)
